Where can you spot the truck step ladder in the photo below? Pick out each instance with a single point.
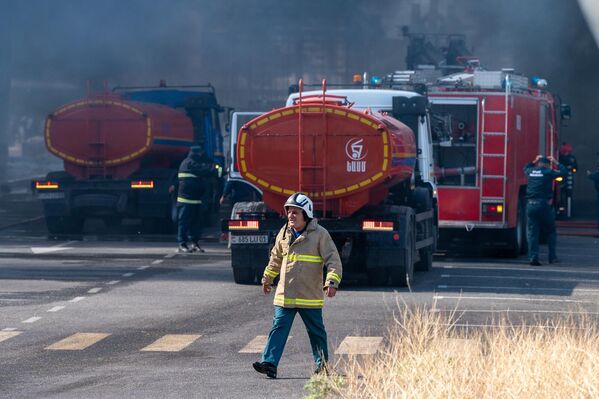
(308, 171)
(487, 157)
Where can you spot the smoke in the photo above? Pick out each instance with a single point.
(252, 50)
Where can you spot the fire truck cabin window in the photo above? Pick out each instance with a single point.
(454, 130)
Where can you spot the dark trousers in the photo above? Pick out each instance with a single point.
(281, 325)
(189, 222)
(540, 217)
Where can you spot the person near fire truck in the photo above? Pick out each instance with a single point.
(191, 186)
(594, 176)
(567, 158)
(302, 248)
(539, 210)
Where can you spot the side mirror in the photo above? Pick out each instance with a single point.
(416, 105)
(565, 111)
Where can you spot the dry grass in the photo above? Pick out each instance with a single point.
(427, 356)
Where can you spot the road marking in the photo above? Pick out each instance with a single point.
(4, 335)
(31, 320)
(157, 261)
(170, 255)
(502, 298)
(143, 267)
(56, 309)
(77, 341)
(533, 269)
(95, 290)
(9, 329)
(77, 299)
(171, 343)
(257, 344)
(113, 282)
(566, 280)
(128, 274)
(459, 311)
(55, 248)
(359, 346)
(512, 288)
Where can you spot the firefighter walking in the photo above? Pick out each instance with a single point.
(539, 195)
(301, 249)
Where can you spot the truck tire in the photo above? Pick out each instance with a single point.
(244, 275)
(64, 225)
(425, 263)
(403, 274)
(516, 237)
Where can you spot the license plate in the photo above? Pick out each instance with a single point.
(59, 195)
(250, 239)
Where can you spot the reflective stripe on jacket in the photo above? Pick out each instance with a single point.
(300, 264)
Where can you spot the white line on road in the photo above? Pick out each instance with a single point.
(171, 343)
(536, 270)
(359, 346)
(78, 341)
(77, 299)
(170, 255)
(486, 276)
(143, 267)
(113, 282)
(157, 261)
(459, 311)
(9, 329)
(55, 248)
(514, 288)
(502, 298)
(31, 320)
(128, 274)
(257, 344)
(95, 290)
(56, 309)
(4, 335)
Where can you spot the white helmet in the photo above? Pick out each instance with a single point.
(301, 200)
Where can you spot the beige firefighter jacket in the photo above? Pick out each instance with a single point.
(300, 265)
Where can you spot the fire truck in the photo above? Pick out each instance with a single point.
(367, 173)
(486, 125)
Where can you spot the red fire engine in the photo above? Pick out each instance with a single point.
(486, 126)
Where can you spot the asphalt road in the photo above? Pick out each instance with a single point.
(128, 318)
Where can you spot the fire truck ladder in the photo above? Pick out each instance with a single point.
(315, 189)
(486, 179)
(98, 151)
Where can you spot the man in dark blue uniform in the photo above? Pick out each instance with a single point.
(193, 180)
(539, 193)
(594, 176)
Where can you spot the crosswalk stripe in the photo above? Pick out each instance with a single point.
(78, 341)
(4, 335)
(359, 346)
(171, 343)
(257, 344)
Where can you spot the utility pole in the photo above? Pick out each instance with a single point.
(6, 18)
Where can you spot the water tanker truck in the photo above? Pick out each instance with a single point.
(360, 169)
(121, 151)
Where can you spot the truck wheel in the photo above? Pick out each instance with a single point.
(516, 237)
(403, 274)
(244, 275)
(378, 276)
(426, 260)
(64, 225)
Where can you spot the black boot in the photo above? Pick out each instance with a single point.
(266, 368)
(322, 369)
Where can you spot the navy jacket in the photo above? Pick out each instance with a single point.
(193, 178)
(540, 180)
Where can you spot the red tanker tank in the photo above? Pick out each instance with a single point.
(108, 136)
(343, 159)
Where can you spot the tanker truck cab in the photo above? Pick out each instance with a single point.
(368, 174)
